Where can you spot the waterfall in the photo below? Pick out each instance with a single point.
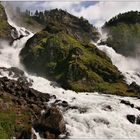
(92, 118)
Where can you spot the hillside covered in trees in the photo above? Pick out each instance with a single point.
(124, 33)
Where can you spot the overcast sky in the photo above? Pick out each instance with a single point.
(96, 12)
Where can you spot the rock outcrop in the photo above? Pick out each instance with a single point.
(5, 28)
(58, 54)
(21, 109)
(134, 119)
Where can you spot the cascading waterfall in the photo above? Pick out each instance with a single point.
(92, 119)
(130, 67)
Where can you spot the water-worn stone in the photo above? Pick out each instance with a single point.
(131, 118)
(127, 103)
(51, 123)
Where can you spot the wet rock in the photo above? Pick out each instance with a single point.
(16, 71)
(138, 120)
(83, 110)
(134, 87)
(73, 107)
(25, 134)
(138, 108)
(57, 102)
(131, 118)
(101, 120)
(55, 120)
(53, 96)
(107, 108)
(49, 135)
(51, 123)
(64, 104)
(134, 119)
(127, 103)
(23, 80)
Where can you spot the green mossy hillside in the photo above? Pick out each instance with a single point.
(73, 64)
(124, 33)
(5, 28)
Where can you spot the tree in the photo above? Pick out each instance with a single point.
(36, 13)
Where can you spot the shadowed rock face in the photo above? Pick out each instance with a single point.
(50, 124)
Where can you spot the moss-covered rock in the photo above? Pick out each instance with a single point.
(73, 64)
(5, 28)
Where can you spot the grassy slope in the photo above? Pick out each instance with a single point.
(13, 118)
(5, 28)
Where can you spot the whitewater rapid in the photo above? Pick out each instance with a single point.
(92, 119)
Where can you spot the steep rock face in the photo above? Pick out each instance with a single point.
(77, 65)
(5, 28)
(124, 33)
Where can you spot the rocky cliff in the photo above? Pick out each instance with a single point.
(5, 28)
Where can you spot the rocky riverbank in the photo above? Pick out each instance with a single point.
(23, 108)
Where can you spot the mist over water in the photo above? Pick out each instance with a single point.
(129, 66)
(91, 118)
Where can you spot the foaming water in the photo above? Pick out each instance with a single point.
(95, 115)
(9, 55)
(130, 67)
(92, 118)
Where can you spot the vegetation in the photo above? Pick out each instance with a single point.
(124, 33)
(5, 28)
(78, 65)
(13, 118)
(131, 17)
(59, 19)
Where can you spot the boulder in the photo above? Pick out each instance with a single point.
(127, 103)
(134, 87)
(50, 123)
(131, 118)
(16, 71)
(138, 120)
